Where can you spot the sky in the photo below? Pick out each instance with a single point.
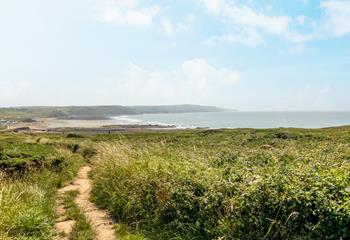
(248, 55)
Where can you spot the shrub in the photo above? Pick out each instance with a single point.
(216, 185)
(73, 147)
(88, 153)
(18, 164)
(74, 135)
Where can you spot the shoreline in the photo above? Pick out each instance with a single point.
(70, 125)
(111, 125)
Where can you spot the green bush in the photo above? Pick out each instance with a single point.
(73, 147)
(88, 153)
(218, 185)
(74, 135)
(22, 163)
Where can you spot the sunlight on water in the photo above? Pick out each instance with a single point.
(242, 119)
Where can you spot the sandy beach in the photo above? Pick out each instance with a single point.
(54, 124)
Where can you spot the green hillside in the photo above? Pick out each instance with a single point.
(97, 112)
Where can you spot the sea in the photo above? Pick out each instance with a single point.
(238, 119)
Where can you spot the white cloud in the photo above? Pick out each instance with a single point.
(127, 12)
(214, 6)
(244, 19)
(136, 13)
(196, 81)
(199, 73)
(243, 16)
(247, 25)
(171, 27)
(248, 38)
(337, 20)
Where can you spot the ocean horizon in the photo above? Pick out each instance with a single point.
(241, 119)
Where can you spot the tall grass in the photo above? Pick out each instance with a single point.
(27, 199)
(240, 184)
(24, 210)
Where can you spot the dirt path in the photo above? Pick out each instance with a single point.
(101, 223)
(63, 226)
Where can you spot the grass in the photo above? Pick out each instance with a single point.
(16, 158)
(227, 184)
(123, 232)
(200, 184)
(82, 229)
(25, 210)
(27, 194)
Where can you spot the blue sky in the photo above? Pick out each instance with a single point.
(248, 55)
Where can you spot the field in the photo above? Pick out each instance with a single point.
(228, 184)
(197, 184)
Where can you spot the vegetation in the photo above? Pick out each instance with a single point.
(18, 158)
(95, 112)
(227, 184)
(198, 184)
(74, 135)
(82, 229)
(31, 170)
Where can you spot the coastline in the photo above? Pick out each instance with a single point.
(74, 125)
(190, 121)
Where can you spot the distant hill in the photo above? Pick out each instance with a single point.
(175, 109)
(98, 112)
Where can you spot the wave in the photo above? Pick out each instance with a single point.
(130, 120)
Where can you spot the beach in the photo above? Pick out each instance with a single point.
(61, 125)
